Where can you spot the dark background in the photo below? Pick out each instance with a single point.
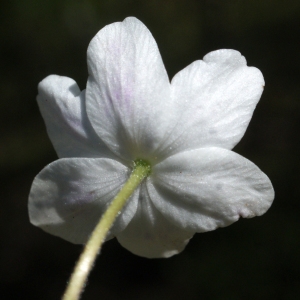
(252, 259)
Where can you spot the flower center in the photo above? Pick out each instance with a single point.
(144, 164)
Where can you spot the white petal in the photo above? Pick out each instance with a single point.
(215, 99)
(128, 89)
(63, 108)
(207, 188)
(69, 196)
(150, 234)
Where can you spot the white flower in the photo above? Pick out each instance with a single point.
(185, 129)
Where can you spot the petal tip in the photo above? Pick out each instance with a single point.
(225, 56)
(56, 84)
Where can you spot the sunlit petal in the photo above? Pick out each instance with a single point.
(62, 105)
(69, 196)
(128, 90)
(207, 188)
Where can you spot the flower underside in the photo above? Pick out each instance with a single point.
(131, 110)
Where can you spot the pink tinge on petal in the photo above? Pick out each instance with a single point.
(69, 196)
(128, 89)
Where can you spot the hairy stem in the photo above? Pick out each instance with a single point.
(94, 244)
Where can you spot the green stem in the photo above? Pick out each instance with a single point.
(93, 246)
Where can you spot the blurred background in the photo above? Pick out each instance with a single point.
(252, 259)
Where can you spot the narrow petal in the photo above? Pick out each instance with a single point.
(150, 234)
(207, 188)
(69, 196)
(62, 105)
(128, 89)
(215, 99)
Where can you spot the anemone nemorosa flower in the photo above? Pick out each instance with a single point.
(184, 129)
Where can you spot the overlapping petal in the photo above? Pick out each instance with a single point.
(69, 196)
(62, 105)
(150, 234)
(128, 90)
(215, 99)
(207, 188)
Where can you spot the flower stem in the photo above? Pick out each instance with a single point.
(93, 246)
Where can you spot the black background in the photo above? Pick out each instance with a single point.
(252, 259)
